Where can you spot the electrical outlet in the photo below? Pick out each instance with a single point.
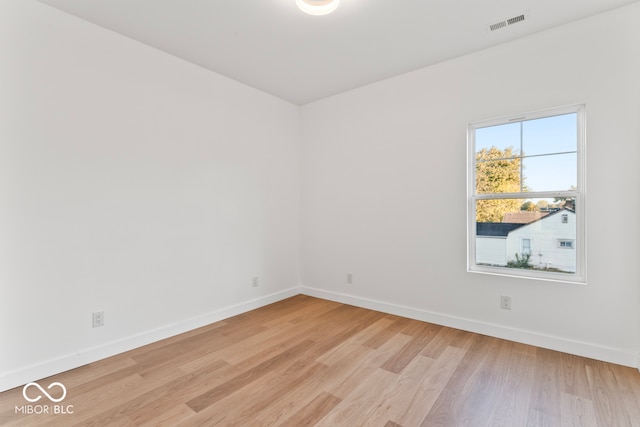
(349, 278)
(505, 303)
(255, 282)
(98, 319)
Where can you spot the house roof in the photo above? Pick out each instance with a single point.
(502, 229)
(523, 217)
(495, 229)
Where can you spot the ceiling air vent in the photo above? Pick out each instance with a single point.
(515, 19)
(506, 22)
(498, 25)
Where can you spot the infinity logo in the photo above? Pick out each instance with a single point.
(36, 385)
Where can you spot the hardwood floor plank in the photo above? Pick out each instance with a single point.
(333, 333)
(108, 403)
(396, 325)
(174, 393)
(514, 398)
(306, 361)
(97, 374)
(574, 379)
(106, 397)
(393, 402)
(300, 313)
(270, 393)
(609, 408)
(422, 333)
(440, 342)
(544, 405)
(358, 339)
(265, 395)
(242, 349)
(263, 402)
(183, 351)
(312, 412)
(485, 390)
(431, 387)
(357, 407)
(576, 411)
(219, 392)
(270, 312)
(628, 391)
(344, 385)
(169, 417)
(463, 339)
(291, 400)
(447, 410)
(342, 373)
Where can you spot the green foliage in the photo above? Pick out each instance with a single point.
(522, 261)
(528, 206)
(497, 171)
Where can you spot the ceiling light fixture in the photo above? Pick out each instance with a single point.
(317, 7)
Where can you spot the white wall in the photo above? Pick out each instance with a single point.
(384, 176)
(135, 183)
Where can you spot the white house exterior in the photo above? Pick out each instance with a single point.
(491, 250)
(491, 242)
(550, 241)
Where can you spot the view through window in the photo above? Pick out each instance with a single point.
(525, 195)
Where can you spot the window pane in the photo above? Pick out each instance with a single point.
(514, 161)
(501, 137)
(556, 134)
(538, 234)
(556, 172)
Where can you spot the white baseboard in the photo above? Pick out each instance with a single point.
(11, 379)
(607, 354)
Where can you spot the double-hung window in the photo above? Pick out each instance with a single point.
(526, 195)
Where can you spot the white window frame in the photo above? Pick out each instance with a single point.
(571, 243)
(579, 195)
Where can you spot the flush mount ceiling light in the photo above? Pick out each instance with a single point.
(317, 7)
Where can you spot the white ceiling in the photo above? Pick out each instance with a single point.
(272, 46)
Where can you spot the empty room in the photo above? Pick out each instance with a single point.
(319, 212)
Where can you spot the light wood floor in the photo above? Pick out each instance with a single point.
(305, 361)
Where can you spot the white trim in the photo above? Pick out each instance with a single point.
(18, 377)
(618, 356)
(9, 380)
(539, 114)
